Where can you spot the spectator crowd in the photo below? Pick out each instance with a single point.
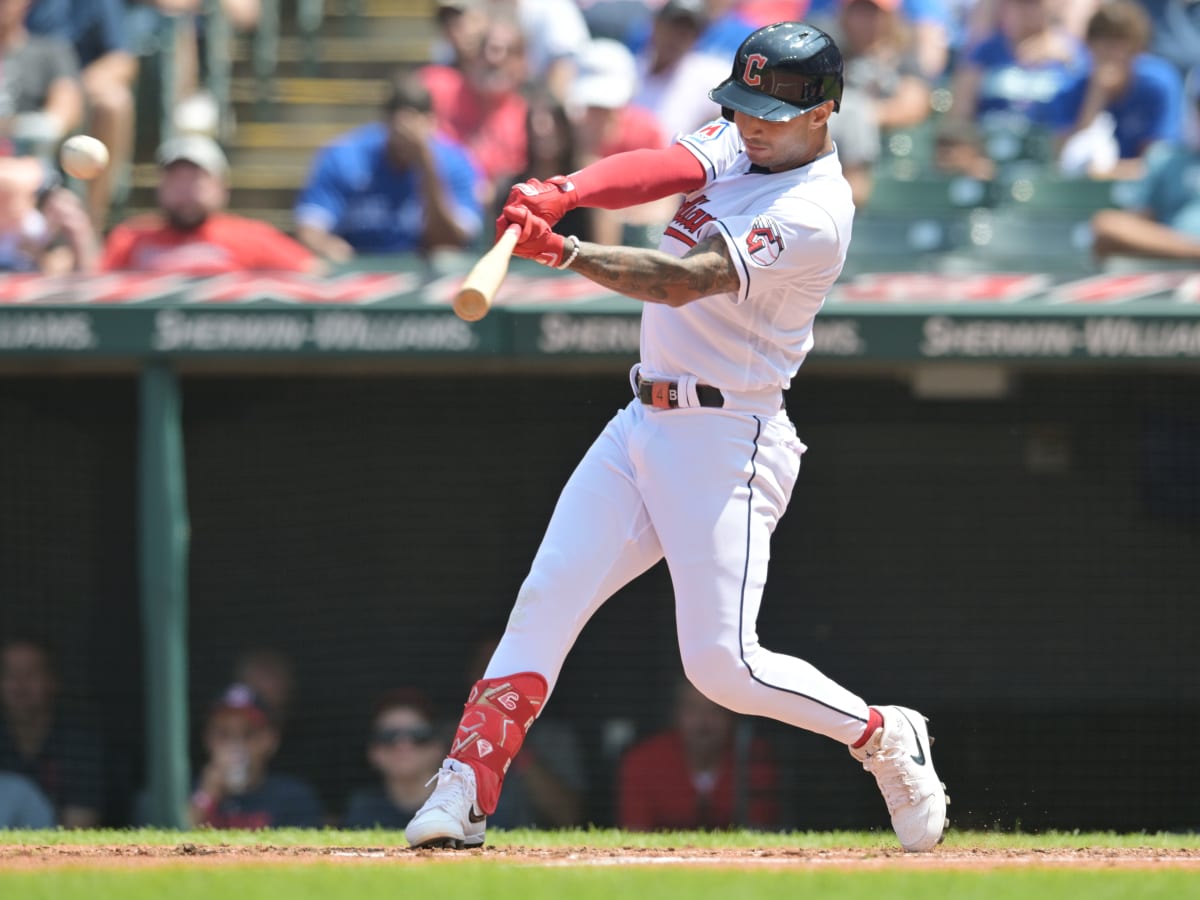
(1102, 87)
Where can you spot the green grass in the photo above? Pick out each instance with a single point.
(485, 881)
(478, 877)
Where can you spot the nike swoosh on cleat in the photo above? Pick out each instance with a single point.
(919, 756)
(475, 818)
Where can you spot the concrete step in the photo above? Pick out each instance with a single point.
(337, 57)
(339, 92)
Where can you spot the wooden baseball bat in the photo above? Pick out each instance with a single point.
(478, 290)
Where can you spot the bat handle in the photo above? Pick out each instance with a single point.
(508, 240)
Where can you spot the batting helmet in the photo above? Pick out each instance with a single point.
(782, 71)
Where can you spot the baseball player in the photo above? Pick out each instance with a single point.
(699, 467)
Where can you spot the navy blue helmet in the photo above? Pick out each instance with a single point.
(782, 71)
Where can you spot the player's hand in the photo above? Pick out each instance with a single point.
(549, 200)
(537, 241)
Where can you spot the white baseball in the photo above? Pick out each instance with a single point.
(83, 156)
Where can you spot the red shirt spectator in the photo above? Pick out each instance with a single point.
(685, 778)
(481, 105)
(223, 243)
(191, 235)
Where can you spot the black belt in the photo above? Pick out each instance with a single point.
(665, 394)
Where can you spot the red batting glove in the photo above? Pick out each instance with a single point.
(536, 241)
(549, 200)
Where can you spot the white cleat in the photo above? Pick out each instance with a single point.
(449, 817)
(898, 755)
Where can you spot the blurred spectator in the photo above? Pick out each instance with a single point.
(40, 98)
(460, 25)
(1126, 103)
(690, 775)
(555, 33)
(545, 790)
(22, 804)
(43, 225)
(191, 234)
(888, 89)
(927, 25)
(859, 143)
(670, 69)
(550, 137)
(481, 106)
(108, 73)
(1163, 218)
(1020, 70)
(394, 186)
(37, 740)
(235, 788)
(979, 18)
(606, 122)
(403, 747)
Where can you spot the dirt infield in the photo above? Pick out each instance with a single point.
(27, 858)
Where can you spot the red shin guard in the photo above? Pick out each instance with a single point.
(495, 719)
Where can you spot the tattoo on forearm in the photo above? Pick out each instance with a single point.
(657, 277)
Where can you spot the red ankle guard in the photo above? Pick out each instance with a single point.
(495, 719)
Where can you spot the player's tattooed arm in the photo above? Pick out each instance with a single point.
(657, 277)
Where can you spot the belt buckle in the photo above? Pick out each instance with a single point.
(664, 394)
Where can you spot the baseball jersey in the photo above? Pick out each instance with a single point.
(787, 232)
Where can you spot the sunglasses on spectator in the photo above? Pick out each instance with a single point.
(421, 735)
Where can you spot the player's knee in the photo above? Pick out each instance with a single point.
(718, 673)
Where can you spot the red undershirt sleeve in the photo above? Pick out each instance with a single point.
(638, 176)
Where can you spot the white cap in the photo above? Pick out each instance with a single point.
(606, 75)
(198, 149)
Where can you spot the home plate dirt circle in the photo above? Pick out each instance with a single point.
(31, 857)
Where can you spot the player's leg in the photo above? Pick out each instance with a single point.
(598, 539)
(715, 516)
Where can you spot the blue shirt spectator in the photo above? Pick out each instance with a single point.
(1033, 90)
(391, 187)
(1150, 110)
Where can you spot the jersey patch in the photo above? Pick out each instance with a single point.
(711, 131)
(764, 241)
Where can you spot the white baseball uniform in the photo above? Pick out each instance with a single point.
(702, 485)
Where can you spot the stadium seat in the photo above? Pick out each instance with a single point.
(926, 195)
(1015, 239)
(901, 243)
(1036, 190)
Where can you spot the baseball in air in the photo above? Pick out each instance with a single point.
(83, 157)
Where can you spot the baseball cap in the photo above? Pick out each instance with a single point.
(694, 11)
(198, 149)
(242, 698)
(605, 75)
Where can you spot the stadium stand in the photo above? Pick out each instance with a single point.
(309, 71)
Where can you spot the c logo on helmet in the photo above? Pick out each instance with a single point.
(754, 62)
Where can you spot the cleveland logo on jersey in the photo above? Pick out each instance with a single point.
(764, 240)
